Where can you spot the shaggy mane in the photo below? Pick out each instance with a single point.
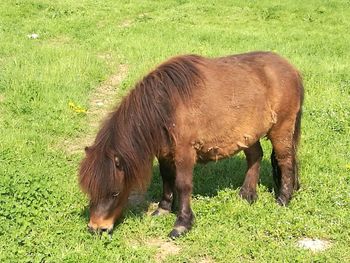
(137, 129)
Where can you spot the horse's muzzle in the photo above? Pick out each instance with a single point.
(94, 229)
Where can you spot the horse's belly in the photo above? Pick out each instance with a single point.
(208, 151)
(214, 154)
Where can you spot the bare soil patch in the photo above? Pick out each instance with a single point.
(206, 259)
(102, 99)
(164, 248)
(101, 102)
(315, 245)
(126, 23)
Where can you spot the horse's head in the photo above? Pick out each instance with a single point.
(102, 178)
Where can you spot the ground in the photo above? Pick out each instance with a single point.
(64, 64)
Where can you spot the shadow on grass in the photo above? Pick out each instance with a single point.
(208, 180)
(213, 177)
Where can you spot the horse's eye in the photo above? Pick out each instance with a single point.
(117, 162)
(115, 194)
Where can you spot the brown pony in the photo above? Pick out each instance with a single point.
(194, 109)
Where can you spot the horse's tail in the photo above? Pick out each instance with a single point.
(297, 133)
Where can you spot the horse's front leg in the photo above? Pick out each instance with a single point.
(167, 172)
(183, 183)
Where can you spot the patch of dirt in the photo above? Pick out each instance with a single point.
(126, 23)
(104, 96)
(101, 102)
(151, 208)
(206, 259)
(164, 248)
(315, 245)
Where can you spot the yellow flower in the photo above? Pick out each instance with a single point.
(76, 108)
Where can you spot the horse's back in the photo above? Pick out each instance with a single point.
(266, 76)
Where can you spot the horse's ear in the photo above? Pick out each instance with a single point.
(86, 149)
(117, 162)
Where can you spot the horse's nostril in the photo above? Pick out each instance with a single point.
(105, 229)
(99, 230)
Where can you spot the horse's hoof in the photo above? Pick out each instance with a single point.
(297, 186)
(282, 201)
(178, 231)
(160, 211)
(248, 195)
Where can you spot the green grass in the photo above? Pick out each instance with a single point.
(81, 43)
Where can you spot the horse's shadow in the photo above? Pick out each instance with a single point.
(208, 180)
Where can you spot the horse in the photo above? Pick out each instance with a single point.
(193, 109)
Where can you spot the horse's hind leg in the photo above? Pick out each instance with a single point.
(276, 171)
(283, 160)
(254, 155)
(167, 172)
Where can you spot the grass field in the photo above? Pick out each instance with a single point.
(90, 53)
